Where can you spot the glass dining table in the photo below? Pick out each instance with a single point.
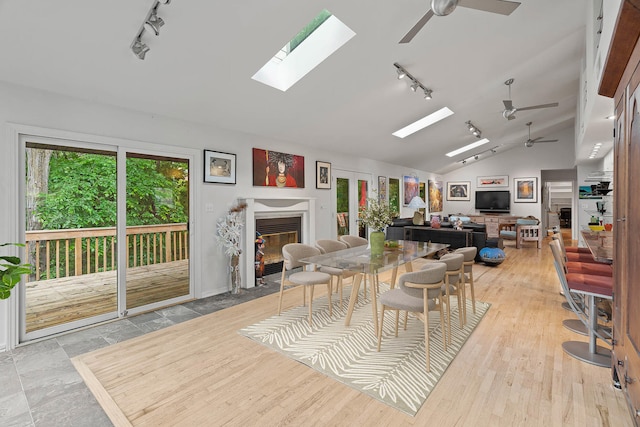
(360, 261)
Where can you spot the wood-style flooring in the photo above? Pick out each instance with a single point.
(512, 371)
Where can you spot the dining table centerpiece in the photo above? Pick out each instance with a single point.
(229, 234)
(376, 215)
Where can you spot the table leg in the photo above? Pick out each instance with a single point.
(408, 266)
(353, 297)
(374, 305)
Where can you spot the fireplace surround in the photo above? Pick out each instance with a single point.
(266, 207)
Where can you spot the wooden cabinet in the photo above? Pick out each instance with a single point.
(621, 81)
(493, 223)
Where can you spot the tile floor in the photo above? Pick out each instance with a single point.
(40, 387)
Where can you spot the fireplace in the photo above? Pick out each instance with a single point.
(302, 208)
(277, 232)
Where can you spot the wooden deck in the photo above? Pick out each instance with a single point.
(57, 301)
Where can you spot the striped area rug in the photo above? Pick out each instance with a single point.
(396, 375)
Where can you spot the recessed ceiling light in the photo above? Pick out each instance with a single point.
(611, 117)
(423, 122)
(467, 147)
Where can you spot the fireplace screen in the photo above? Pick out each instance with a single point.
(275, 233)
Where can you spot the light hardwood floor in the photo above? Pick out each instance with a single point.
(511, 372)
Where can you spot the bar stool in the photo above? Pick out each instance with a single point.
(589, 287)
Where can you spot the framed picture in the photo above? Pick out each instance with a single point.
(276, 169)
(493, 181)
(219, 167)
(435, 196)
(323, 175)
(526, 190)
(458, 191)
(382, 188)
(411, 188)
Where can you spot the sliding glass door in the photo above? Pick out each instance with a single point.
(157, 235)
(106, 230)
(70, 200)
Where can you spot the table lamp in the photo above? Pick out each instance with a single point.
(417, 203)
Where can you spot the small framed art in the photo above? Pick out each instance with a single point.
(323, 175)
(219, 167)
(526, 190)
(493, 181)
(382, 188)
(459, 190)
(411, 188)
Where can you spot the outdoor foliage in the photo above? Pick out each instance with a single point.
(82, 192)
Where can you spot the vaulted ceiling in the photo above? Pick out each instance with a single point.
(199, 69)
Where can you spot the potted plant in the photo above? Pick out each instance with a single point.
(11, 270)
(376, 215)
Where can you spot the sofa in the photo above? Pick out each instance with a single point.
(471, 235)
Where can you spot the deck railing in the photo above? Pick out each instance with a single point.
(74, 252)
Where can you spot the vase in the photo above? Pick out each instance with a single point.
(376, 240)
(236, 282)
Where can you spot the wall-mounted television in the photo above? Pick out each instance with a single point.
(493, 201)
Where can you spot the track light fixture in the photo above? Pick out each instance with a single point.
(474, 129)
(415, 83)
(152, 24)
(477, 156)
(139, 49)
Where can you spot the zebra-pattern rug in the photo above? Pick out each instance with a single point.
(396, 375)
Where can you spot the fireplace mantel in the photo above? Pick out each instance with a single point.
(274, 207)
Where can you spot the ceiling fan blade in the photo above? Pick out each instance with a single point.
(508, 104)
(493, 6)
(535, 139)
(535, 107)
(547, 140)
(416, 28)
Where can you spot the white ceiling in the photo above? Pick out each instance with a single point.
(199, 69)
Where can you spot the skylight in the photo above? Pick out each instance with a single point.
(467, 147)
(324, 35)
(423, 122)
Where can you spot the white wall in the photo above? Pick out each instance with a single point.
(40, 109)
(517, 162)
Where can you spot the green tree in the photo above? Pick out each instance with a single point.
(83, 188)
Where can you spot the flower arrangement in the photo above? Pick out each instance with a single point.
(376, 215)
(229, 230)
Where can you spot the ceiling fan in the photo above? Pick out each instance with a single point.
(510, 111)
(445, 7)
(529, 142)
